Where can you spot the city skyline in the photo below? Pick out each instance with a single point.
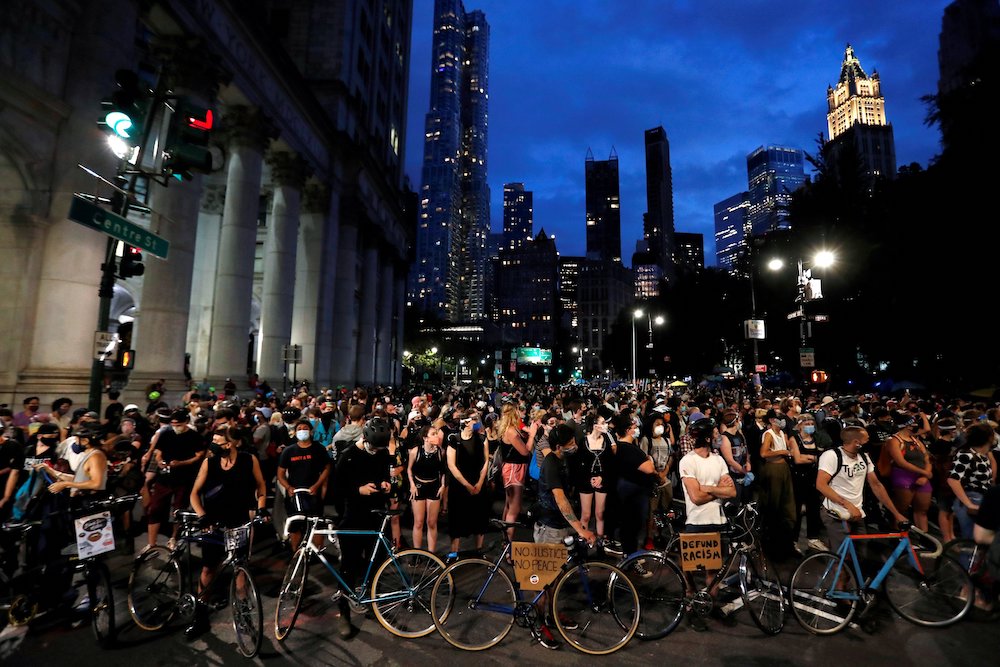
(721, 79)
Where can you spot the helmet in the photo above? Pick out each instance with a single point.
(376, 432)
(701, 428)
(154, 395)
(290, 415)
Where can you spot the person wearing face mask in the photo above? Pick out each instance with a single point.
(733, 449)
(363, 478)
(941, 451)
(807, 498)
(775, 490)
(425, 469)
(303, 468)
(91, 472)
(591, 470)
(973, 472)
(657, 445)
(912, 469)
(468, 461)
(179, 451)
(228, 490)
(636, 479)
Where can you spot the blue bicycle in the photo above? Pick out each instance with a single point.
(923, 587)
(398, 592)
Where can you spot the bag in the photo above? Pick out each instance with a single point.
(885, 459)
(534, 471)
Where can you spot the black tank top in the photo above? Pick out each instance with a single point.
(229, 494)
(428, 466)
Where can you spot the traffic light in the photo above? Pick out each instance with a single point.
(126, 359)
(124, 113)
(131, 263)
(186, 149)
(818, 377)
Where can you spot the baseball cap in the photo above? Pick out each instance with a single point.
(826, 400)
(130, 407)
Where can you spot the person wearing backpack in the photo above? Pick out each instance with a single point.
(841, 478)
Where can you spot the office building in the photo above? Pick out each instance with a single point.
(604, 223)
(690, 252)
(518, 223)
(773, 174)
(658, 221)
(647, 272)
(527, 293)
(731, 230)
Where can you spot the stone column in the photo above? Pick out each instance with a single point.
(385, 307)
(161, 325)
(288, 175)
(329, 295)
(206, 254)
(399, 294)
(367, 325)
(344, 347)
(64, 291)
(248, 133)
(308, 273)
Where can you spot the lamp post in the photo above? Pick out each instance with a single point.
(808, 289)
(638, 313)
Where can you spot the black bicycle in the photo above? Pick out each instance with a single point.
(160, 587)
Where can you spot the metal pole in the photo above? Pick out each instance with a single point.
(106, 291)
(753, 316)
(633, 350)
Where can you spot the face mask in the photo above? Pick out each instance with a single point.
(77, 448)
(302, 436)
(476, 427)
(216, 449)
(601, 428)
(571, 450)
(657, 431)
(314, 422)
(720, 406)
(683, 409)
(780, 423)
(808, 430)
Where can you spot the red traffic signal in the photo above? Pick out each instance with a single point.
(819, 377)
(126, 359)
(131, 263)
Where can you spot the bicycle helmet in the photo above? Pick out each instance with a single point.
(701, 428)
(376, 433)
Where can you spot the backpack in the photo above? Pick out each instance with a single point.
(840, 461)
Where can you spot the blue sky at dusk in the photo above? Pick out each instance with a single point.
(722, 77)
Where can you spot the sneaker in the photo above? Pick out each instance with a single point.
(547, 638)
(614, 547)
(564, 620)
(172, 544)
(640, 570)
(649, 546)
(817, 544)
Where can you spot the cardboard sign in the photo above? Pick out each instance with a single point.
(94, 535)
(701, 551)
(536, 565)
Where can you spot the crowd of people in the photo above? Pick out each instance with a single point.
(596, 462)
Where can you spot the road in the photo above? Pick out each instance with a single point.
(315, 641)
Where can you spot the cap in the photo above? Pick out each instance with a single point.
(130, 407)
(481, 405)
(826, 400)
(91, 414)
(79, 412)
(48, 429)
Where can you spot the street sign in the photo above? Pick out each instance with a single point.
(104, 344)
(795, 314)
(753, 329)
(820, 318)
(91, 215)
(760, 368)
(807, 357)
(292, 353)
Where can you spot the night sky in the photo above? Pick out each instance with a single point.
(722, 77)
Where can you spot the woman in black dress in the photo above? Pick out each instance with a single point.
(468, 460)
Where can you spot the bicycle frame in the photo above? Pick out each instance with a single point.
(188, 536)
(382, 542)
(847, 550)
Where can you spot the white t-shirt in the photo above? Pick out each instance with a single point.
(708, 471)
(849, 482)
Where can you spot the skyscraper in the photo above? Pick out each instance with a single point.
(528, 316)
(857, 124)
(731, 230)
(690, 251)
(658, 223)
(773, 173)
(448, 276)
(604, 222)
(518, 223)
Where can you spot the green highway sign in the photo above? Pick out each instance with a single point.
(91, 215)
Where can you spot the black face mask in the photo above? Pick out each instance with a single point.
(216, 450)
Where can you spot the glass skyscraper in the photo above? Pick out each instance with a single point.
(448, 275)
(731, 231)
(773, 173)
(518, 222)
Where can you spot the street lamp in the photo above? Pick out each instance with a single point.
(638, 313)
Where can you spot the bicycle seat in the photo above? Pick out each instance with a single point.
(184, 516)
(497, 523)
(384, 513)
(19, 526)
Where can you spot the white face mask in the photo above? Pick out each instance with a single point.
(657, 431)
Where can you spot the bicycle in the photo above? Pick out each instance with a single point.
(160, 587)
(825, 593)
(398, 592)
(595, 608)
(30, 594)
(664, 590)
(972, 557)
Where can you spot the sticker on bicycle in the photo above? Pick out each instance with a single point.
(536, 565)
(94, 535)
(701, 551)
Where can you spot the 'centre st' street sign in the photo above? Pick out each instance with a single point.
(91, 215)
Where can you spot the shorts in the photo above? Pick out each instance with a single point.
(164, 499)
(514, 474)
(547, 535)
(427, 490)
(906, 479)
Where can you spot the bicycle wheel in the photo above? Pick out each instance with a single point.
(822, 604)
(248, 616)
(472, 608)
(401, 591)
(154, 589)
(102, 603)
(601, 604)
(970, 556)
(660, 586)
(290, 594)
(939, 596)
(760, 588)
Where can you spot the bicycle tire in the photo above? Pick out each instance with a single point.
(471, 610)
(154, 589)
(938, 597)
(600, 626)
(970, 555)
(414, 572)
(661, 588)
(760, 588)
(293, 585)
(809, 592)
(248, 616)
(102, 603)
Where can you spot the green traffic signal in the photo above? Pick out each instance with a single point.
(124, 112)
